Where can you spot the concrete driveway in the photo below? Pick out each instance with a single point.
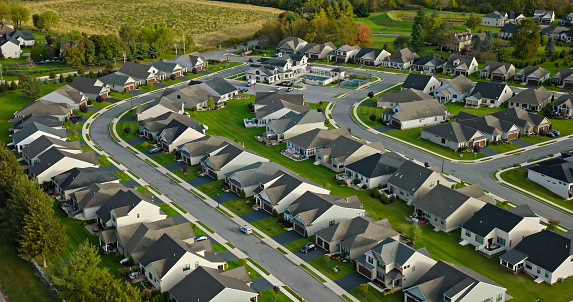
(129, 183)
(351, 281)
(520, 142)
(227, 256)
(261, 284)
(179, 219)
(201, 180)
(136, 92)
(318, 252)
(159, 85)
(287, 237)
(127, 119)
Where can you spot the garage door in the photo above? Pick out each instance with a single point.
(371, 63)
(396, 123)
(512, 135)
(165, 147)
(364, 271)
(533, 82)
(267, 207)
(497, 78)
(315, 57)
(340, 60)
(319, 241)
(299, 229)
(567, 84)
(327, 246)
(458, 72)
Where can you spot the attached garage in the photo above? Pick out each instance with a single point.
(364, 271)
(497, 77)
(340, 60)
(327, 246)
(532, 82)
(369, 63)
(314, 56)
(267, 207)
(165, 147)
(211, 173)
(299, 229)
(396, 123)
(513, 135)
(319, 242)
(568, 84)
(104, 95)
(458, 72)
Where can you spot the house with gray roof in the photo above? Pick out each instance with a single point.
(394, 264)
(229, 157)
(31, 153)
(194, 97)
(411, 182)
(170, 259)
(291, 45)
(371, 56)
(119, 82)
(460, 64)
(532, 100)
(416, 114)
(176, 134)
(345, 150)
(402, 59)
(532, 75)
(374, 170)
(141, 73)
(454, 90)
(307, 144)
(276, 68)
(263, 99)
(497, 71)
(563, 78)
(344, 53)
(60, 111)
(489, 94)
(456, 136)
(312, 212)
(193, 60)
(293, 124)
(315, 51)
(32, 132)
(278, 191)
(194, 151)
(10, 49)
(393, 97)
(76, 179)
(46, 120)
(495, 230)
(527, 122)
(158, 107)
(169, 68)
(463, 40)
(514, 17)
(248, 178)
(127, 207)
(555, 175)
(452, 282)
(25, 37)
(447, 209)
(355, 237)
(89, 199)
(217, 88)
(429, 64)
(273, 111)
(506, 31)
(563, 105)
(543, 16)
(55, 161)
(495, 19)
(491, 127)
(422, 82)
(566, 20)
(92, 88)
(151, 128)
(67, 95)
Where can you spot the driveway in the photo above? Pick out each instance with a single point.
(351, 281)
(364, 104)
(110, 169)
(520, 143)
(318, 252)
(112, 100)
(227, 256)
(255, 216)
(129, 183)
(201, 180)
(183, 79)
(93, 109)
(178, 165)
(261, 284)
(385, 128)
(136, 92)
(138, 140)
(225, 196)
(127, 119)
(488, 151)
(287, 237)
(159, 85)
(179, 219)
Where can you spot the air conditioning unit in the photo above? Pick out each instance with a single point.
(560, 280)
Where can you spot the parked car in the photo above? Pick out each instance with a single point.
(251, 59)
(552, 133)
(154, 150)
(279, 88)
(566, 154)
(289, 89)
(246, 229)
(307, 247)
(201, 238)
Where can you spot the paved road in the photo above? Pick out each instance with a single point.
(272, 260)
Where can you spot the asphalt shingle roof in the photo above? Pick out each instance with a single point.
(490, 217)
(46, 120)
(377, 164)
(42, 107)
(318, 137)
(354, 232)
(53, 155)
(292, 119)
(532, 96)
(488, 90)
(36, 127)
(417, 81)
(309, 206)
(43, 142)
(560, 171)
(410, 176)
(455, 131)
(83, 177)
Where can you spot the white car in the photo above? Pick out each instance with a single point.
(246, 229)
(279, 88)
(201, 238)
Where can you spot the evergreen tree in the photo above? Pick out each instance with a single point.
(550, 46)
(31, 87)
(210, 104)
(421, 18)
(488, 41)
(9, 172)
(476, 42)
(418, 37)
(23, 195)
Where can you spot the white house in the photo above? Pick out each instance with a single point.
(495, 19)
(532, 75)
(67, 95)
(422, 82)
(176, 134)
(33, 131)
(119, 82)
(32, 152)
(293, 124)
(273, 111)
(25, 37)
(141, 73)
(77, 179)
(497, 71)
(291, 45)
(345, 52)
(544, 16)
(403, 59)
(371, 56)
(55, 161)
(346, 150)
(309, 143)
(375, 169)
(489, 94)
(89, 199)
(563, 105)
(454, 90)
(408, 115)
(454, 135)
(41, 107)
(126, 208)
(460, 64)
(194, 151)
(411, 182)
(10, 49)
(227, 158)
(555, 175)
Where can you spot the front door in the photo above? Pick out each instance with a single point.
(489, 242)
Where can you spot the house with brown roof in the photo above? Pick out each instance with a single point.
(528, 122)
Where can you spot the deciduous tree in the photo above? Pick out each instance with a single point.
(19, 14)
(129, 33)
(48, 20)
(401, 42)
(363, 36)
(31, 87)
(526, 39)
(4, 11)
(473, 21)
(73, 54)
(442, 34)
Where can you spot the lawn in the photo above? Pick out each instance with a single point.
(192, 172)
(197, 230)
(374, 295)
(365, 112)
(269, 296)
(120, 95)
(75, 136)
(318, 105)
(327, 269)
(455, 108)
(100, 105)
(501, 148)
(123, 176)
(167, 209)
(381, 23)
(163, 159)
(104, 161)
(535, 139)
(236, 263)
(564, 126)
(212, 189)
(219, 247)
(295, 246)
(141, 148)
(239, 206)
(269, 226)
(121, 127)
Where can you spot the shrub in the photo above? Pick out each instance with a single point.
(557, 64)
(172, 77)
(391, 199)
(373, 117)
(275, 213)
(99, 99)
(355, 181)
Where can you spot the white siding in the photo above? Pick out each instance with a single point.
(556, 186)
(143, 212)
(336, 214)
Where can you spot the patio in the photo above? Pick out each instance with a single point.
(292, 155)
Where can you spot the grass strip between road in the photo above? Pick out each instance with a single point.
(205, 227)
(259, 266)
(347, 298)
(312, 273)
(230, 245)
(257, 234)
(131, 149)
(173, 177)
(281, 250)
(196, 193)
(133, 174)
(224, 212)
(299, 298)
(179, 207)
(150, 162)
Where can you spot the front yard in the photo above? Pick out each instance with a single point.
(535, 139)
(239, 206)
(167, 209)
(269, 226)
(365, 112)
(122, 127)
(327, 268)
(236, 263)
(501, 148)
(295, 246)
(164, 159)
(455, 108)
(212, 189)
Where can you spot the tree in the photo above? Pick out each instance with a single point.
(488, 41)
(486, 8)
(473, 21)
(550, 47)
(371, 94)
(242, 262)
(414, 233)
(10, 172)
(372, 117)
(72, 54)
(552, 224)
(526, 39)
(4, 11)
(364, 289)
(543, 40)
(432, 23)
(442, 34)
(49, 40)
(129, 33)
(210, 104)
(276, 289)
(502, 56)
(476, 42)
(326, 259)
(418, 37)
(363, 35)
(362, 10)
(31, 87)
(421, 18)
(401, 42)
(47, 20)
(36, 23)
(19, 14)
(37, 52)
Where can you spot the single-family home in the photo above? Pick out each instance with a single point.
(374, 170)
(506, 32)
(489, 94)
(169, 68)
(10, 49)
(312, 212)
(402, 59)
(566, 36)
(563, 78)
(227, 158)
(158, 107)
(128, 207)
(194, 151)
(169, 260)
(554, 32)
(494, 230)
(446, 209)
(531, 99)
(462, 40)
(151, 127)
(269, 73)
(6, 28)
(454, 90)
(119, 82)
(563, 105)
(280, 190)
(455, 136)
(429, 64)
(513, 17)
(67, 95)
(495, 19)
(263, 99)
(33, 131)
(355, 237)
(194, 97)
(452, 282)
(32, 151)
(89, 199)
(245, 180)
(345, 53)
(394, 264)
(315, 51)
(42, 107)
(544, 16)
(46, 120)
(490, 126)
(191, 61)
(460, 64)
(217, 88)
(307, 144)
(92, 88)
(528, 122)
(273, 111)
(288, 64)
(25, 37)
(141, 73)
(416, 114)
(291, 45)
(371, 56)
(497, 71)
(411, 182)
(176, 134)
(422, 82)
(566, 20)
(555, 175)
(212, 285)
(76, 179)
(532, 75)
(345, 150)
(293, 124)
(54, 161)
(392, 98)
(546, 256)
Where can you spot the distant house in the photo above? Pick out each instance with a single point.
(489, 94)
(217, 88)
(46, 120)
(411, 182)
(460, 64)
(506, 32)
(543, 16)
(563, 105)
(497, 71)
(392, 98)
(394, 264)
(531, 99)
(127, 207)
(495, 19)
(33, 131)
(175, 134)
(312, 212)
(291, 45)
(60, 111)
(77, 179)
(566, 20)
(416, 114)
(190, 61)
(315, 51)
(454, 90)
(230, 157)
(309, 143)
(375, 169)
(67, 95)
(554, 32)
(345, 53)
(566, 36)
(272, 70)
(493, 128)
(402, 59)
(118, 82)
(54, 161)
(92, 88)
(248, 178)
(528, 122)
(371, 56)
(424, 83)
(157, 108)
(555, 175)
(10, 49)
(455, 136)
(462, 40)
(355, 236)
(141, 73)
(31, 152)
(25, 37)
(429, 63)
(194, 151)
(263, 99)
(563, 78)
(532, 75)
(169, 68)
(452, 282)
(495, 230)
(345, 150)
(513, 17)
(293, 124)
(151, 128)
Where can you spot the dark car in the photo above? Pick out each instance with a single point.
(289, 89)
(251, 59)
(566, 154)
(308, 247)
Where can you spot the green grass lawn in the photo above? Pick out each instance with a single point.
(104, 161)
(212, 189)
(121, 126)
(163, 159)
(382, 24)
(197, 230)
(269, 226)
(269, 296)
(86, 148)
(374, 295)
(100, 105)
(455, 108)
(564, 126)
(239, 206)
(75, 126)
(75, 136)
(535, 139)
(167, 209)
(139, 147)
(219, 247)
(123, 176)
(236, 263)
(191, 172)
(364, 114)
(504, 147)
(318, 105)
(170, 82)
(326, 269)
(295, 246)
(119, 95)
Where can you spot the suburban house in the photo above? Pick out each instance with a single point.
(513, 17)
(315, 51)
(273, 111)
(566, 20)
(293, 124)
(546, 256)
(411, 182)
(92, 88)
(32, 132)
(128, 207)
(194, 97)
(54, 161)
(455, 136)
(402, 59)
(31, 152)
(490, 126)
(563, 105)
(531, 99)
(25, 37)
(375, 169)
(42, 107)
(290, 64)
(416, 114)
(544, 16)
(429, 64)
(141, 73)
(422, 82)
(446, 209)
(291, 45)
(77, 179)
(344, 53)
(494, 230)
(227, 158)
(212, 285)
(489, 94)
(532, 75)
(169, 68)
(6, 28)
(274, 71)
(67, 95)
(355, 237)
(176, 134)
(452, 282)
(312, 212)
(10, 49)
(158, 107)
(497, 71)
(454, 90)
(89, 199)
(194, 151)
(528, 122)
(151, 127)
(280, 190)
(394, 264)
(392, 98)
(506, 32)
(460, 64)
(371, 56)
(46, 120)
(495, 19)
(563, 78)
(248, 178)
(566, 36)
(462, 40)
(169, 260)
(345, 150)
(118, 82)
(556, 175)
(217, 88)
(190, 61)
(554, 32)
(263, 99)
(307, 144)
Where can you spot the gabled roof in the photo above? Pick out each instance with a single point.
(487, 124)
(456, 132)
(520, 117)
(467, 60)
(83, 177)
(403, 96)
(461, 84)
(265, 98)
(442, 201)
(508, 28)
(193, 58)
(292, 119)
(532, 96)
(42, 107)
(318, 137)
(278, 105)
(391, 251)
(158, 123)
(530, 69)
(366, 53)
(488, 90)
(163, 101)
(122, 202)
(117, 79)
(410, 176)
(566, 99)
(43, 142)
(511, 15)
(421, 109)
(310, 206)
(318, 48)
(95, 194)
(344, 146)
(73, 95)
(495, 15)
(54, 155)
(166, 66)
(37, 127)
(203, 145)
(418, 81)
(46, 120)
(225, 155)
(24, 34)
(563, 73)
(347, 48)
(490, 216)
(139, 71)
(191, 96)
(290, 43)
(173, 131)
(255, 173)
(283, 184)
(497, 67)
(358, 231)
(560, 171)
(377, 164)
(219, 85)
(13, 41)
(402, 56)
(546, 249)
(430, 59)
(87, 85)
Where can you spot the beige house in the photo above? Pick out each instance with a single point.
(462, 40)
(293, 124)
(55, 161)
(497, 71)
(391, 98)
(411, 182)
(157, 108)
(229, 157)
(489, 94)
(346, 150)
(454, 135)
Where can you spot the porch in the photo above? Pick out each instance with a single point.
(491, 250)
(292, 154)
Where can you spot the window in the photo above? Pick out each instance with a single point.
(401, 192)
(447, 299)
(137, 215)
(432, 184)
(479, 239)
(528, 265)
(442, 222)
(435, 118)
(538, 270)
(196, 264)
(413, 268)
(500, 240)
(546, 274)
(455, 96)
(331, 223)
(370, 260)
(428, 214)
(186, 267)
(468, 233)
(499, 298)
(381, 265)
